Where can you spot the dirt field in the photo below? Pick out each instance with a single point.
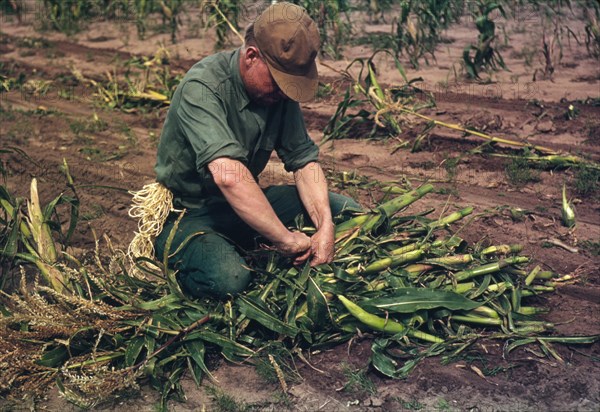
(108, 161)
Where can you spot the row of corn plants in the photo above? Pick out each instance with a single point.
(369, 109)
(401, 273)
(72, 16)
(419, 26)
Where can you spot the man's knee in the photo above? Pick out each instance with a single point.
(211, 266)
(230, 280)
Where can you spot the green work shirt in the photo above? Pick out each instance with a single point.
(211, 116)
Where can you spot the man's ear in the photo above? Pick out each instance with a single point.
(251, 55)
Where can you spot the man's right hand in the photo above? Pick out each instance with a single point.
(295, 245)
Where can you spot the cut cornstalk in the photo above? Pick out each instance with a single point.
(489, 268)
(532, 310)
(404, 249)
(542, 288)
(531, 277)
(386, 263)
(452, 260)
(391, 207)
(461, 288)
(384, 325)
(502, 249)
(453, 217)
(349, 226)
(492, 139)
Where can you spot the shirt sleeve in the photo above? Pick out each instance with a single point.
(203, 119)
(295, 148)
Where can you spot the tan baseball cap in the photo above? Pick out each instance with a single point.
(289, 41)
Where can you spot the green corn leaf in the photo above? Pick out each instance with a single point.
(253, 310)
(410, 300)
(318, 309)
(228, 346)
(381, 360)
(134, 348)
(54, 358)
(195, 371)
(197, 351)
(170, 301)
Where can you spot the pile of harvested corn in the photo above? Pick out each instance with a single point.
(405, 277)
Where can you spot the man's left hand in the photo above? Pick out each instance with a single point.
(322, 245)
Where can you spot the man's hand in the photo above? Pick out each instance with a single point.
(312, 188)
(295, 245)
(322, 246)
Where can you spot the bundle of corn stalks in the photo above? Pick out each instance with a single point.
(403, 276)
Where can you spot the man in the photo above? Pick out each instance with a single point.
(228, 114)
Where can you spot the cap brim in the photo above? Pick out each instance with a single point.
(298, 88)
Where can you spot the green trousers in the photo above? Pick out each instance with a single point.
(210, 263)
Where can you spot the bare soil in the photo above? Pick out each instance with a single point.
(107, 163)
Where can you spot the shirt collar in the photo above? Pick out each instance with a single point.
(238, 84)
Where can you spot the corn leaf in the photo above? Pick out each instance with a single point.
(255, 311)
(54, 358)
(230, 348)
(134, 348)
(318, 310)
(196, 351)
(410, 300)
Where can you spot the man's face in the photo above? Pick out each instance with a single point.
(259, 83)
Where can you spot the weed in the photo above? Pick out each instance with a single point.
(451, 165)
(453, 191)
(282, 398)
(33, 43)
(225, 402)
(587, 181)
(547, 245)
(27, 53)
(265, 371)
(443, 405)
(93, 125)
(276, 364)
(358, 381)
(324, 90)
(571, 113)
(412, 405)
(94, 212)
(128, 133)
(591, 246)
(519, 173)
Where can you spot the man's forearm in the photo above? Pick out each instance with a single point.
(247, 199)
(312, 187)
